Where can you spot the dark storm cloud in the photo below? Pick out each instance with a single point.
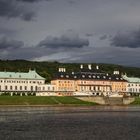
(65, 41)
(7, 32)
(103, 37)
(13, 9)
(71, 1)
(128, 39)
(89, 34)
(6, 43)
(30, 1)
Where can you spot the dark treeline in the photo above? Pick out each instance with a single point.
(48, 69)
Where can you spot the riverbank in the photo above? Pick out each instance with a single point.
(58, 101)
(43, 101)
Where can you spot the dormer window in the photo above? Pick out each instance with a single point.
(117, 78)
(83, 76)
(67, 76)
(104, 77)
(89, 76)
(75, 76)
(93, 76)
(19, 76)
(109, 77)
(10, 75)
(62, 76)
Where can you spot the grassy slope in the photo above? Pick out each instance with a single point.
(137, 101)
(33, 100)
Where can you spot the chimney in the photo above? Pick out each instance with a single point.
(97, 67)
(60, 69)
(89, 67)
(81, 66)
(64, 69)
(116, 72)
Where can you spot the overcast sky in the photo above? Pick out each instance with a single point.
(92, 31)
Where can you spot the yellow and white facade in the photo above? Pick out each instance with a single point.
(88, 81)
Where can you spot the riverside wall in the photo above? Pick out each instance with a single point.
(109, 100)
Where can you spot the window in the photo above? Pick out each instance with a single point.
(83, 76)
(43, 88)
(67, 76)
(36, 88)
(48, 88)
(20, 87)
(6, 87)
(25, 87)
(89, 76)
(31, 88)
(15, 87)
(11, 87)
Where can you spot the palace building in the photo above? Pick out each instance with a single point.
(88, 81)
(133, 85)
(21, 82)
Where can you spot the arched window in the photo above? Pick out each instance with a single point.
(31, 88)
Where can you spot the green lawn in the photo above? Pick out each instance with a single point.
(137, 101)
(34, 100)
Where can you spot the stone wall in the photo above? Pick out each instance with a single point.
(108, 100)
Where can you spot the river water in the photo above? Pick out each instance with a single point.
(70, 123)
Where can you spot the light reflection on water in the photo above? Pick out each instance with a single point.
(70, 123)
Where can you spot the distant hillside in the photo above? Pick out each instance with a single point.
(47, 69)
